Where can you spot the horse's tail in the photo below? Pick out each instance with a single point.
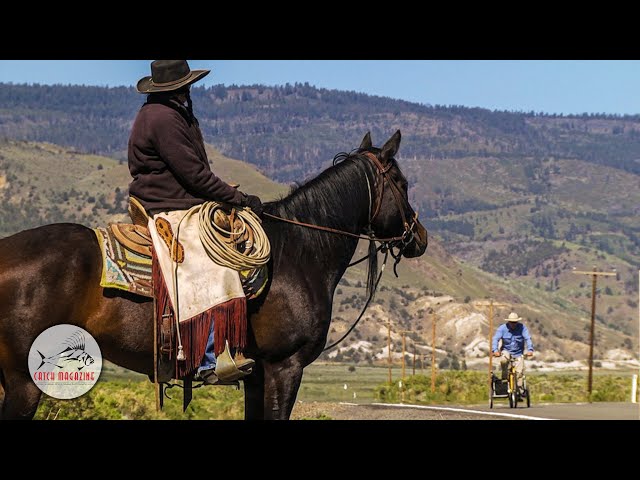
(41, 359)
(3, 392)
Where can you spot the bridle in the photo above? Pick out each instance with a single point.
(389, 243)
(408, 234)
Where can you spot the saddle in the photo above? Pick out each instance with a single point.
(134, 236)
(137, 212)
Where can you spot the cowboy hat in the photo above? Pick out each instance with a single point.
(513, 317)
(169, 75)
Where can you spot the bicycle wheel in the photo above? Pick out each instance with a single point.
(528, 399)
(491, 391)
(512, 391)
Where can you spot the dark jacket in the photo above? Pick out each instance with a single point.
(168, 162)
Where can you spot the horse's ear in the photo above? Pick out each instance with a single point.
(366, 142)
(391, 147)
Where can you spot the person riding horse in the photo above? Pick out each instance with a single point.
(168, 161)
(51, 275)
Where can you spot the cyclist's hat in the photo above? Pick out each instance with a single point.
(513, 317)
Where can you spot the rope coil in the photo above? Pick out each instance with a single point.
(220, 244)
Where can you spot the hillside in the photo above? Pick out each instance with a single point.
(286, 131)
(45, 183)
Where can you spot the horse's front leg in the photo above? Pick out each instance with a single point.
(281, 384)
(21, 396)
(254, 393)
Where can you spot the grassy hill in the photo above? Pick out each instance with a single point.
(45, 183)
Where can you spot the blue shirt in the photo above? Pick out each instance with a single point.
(512, 340)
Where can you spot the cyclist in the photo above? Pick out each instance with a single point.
(515, 336)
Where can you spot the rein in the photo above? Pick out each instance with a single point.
(364, 309)
(333, 230)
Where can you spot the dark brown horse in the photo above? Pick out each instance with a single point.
(51, 275)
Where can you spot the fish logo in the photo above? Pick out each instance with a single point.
(73, 350)
(65, 361)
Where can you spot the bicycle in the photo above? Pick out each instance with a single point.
(509, 388)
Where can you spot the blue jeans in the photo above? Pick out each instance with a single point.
(208, 359)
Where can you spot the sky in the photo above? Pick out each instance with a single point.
(549, 86)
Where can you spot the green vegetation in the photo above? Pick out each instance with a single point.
(123, 395)
(467, 387)
(325, 383)
(122, 399)
(519, 258)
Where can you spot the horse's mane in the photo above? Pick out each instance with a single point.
(336, 198)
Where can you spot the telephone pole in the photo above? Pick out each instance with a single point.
(491, 304)
(403, 344)
(414, 360)
(389, 347)
(594, 279)
(433, 351)
(403, 332)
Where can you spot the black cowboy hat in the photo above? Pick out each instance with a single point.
(169, 75)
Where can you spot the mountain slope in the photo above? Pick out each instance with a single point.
(44, 183)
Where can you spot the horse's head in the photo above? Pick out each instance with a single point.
(392, 215)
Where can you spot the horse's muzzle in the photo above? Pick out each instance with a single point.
(418, 244)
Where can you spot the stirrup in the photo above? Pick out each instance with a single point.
(212, 379)
(228, 370)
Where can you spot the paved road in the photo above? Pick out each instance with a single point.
(379, 411)
(573, 411)
(565, 411)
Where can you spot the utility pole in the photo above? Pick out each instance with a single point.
(403, 332)
(414, 360)
(433, 351)
(594, 278)
(403, 345)
(491, 304)
(389, 347)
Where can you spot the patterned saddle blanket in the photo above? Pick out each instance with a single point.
(122, 267)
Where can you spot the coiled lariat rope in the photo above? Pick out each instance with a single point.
(220, 244)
